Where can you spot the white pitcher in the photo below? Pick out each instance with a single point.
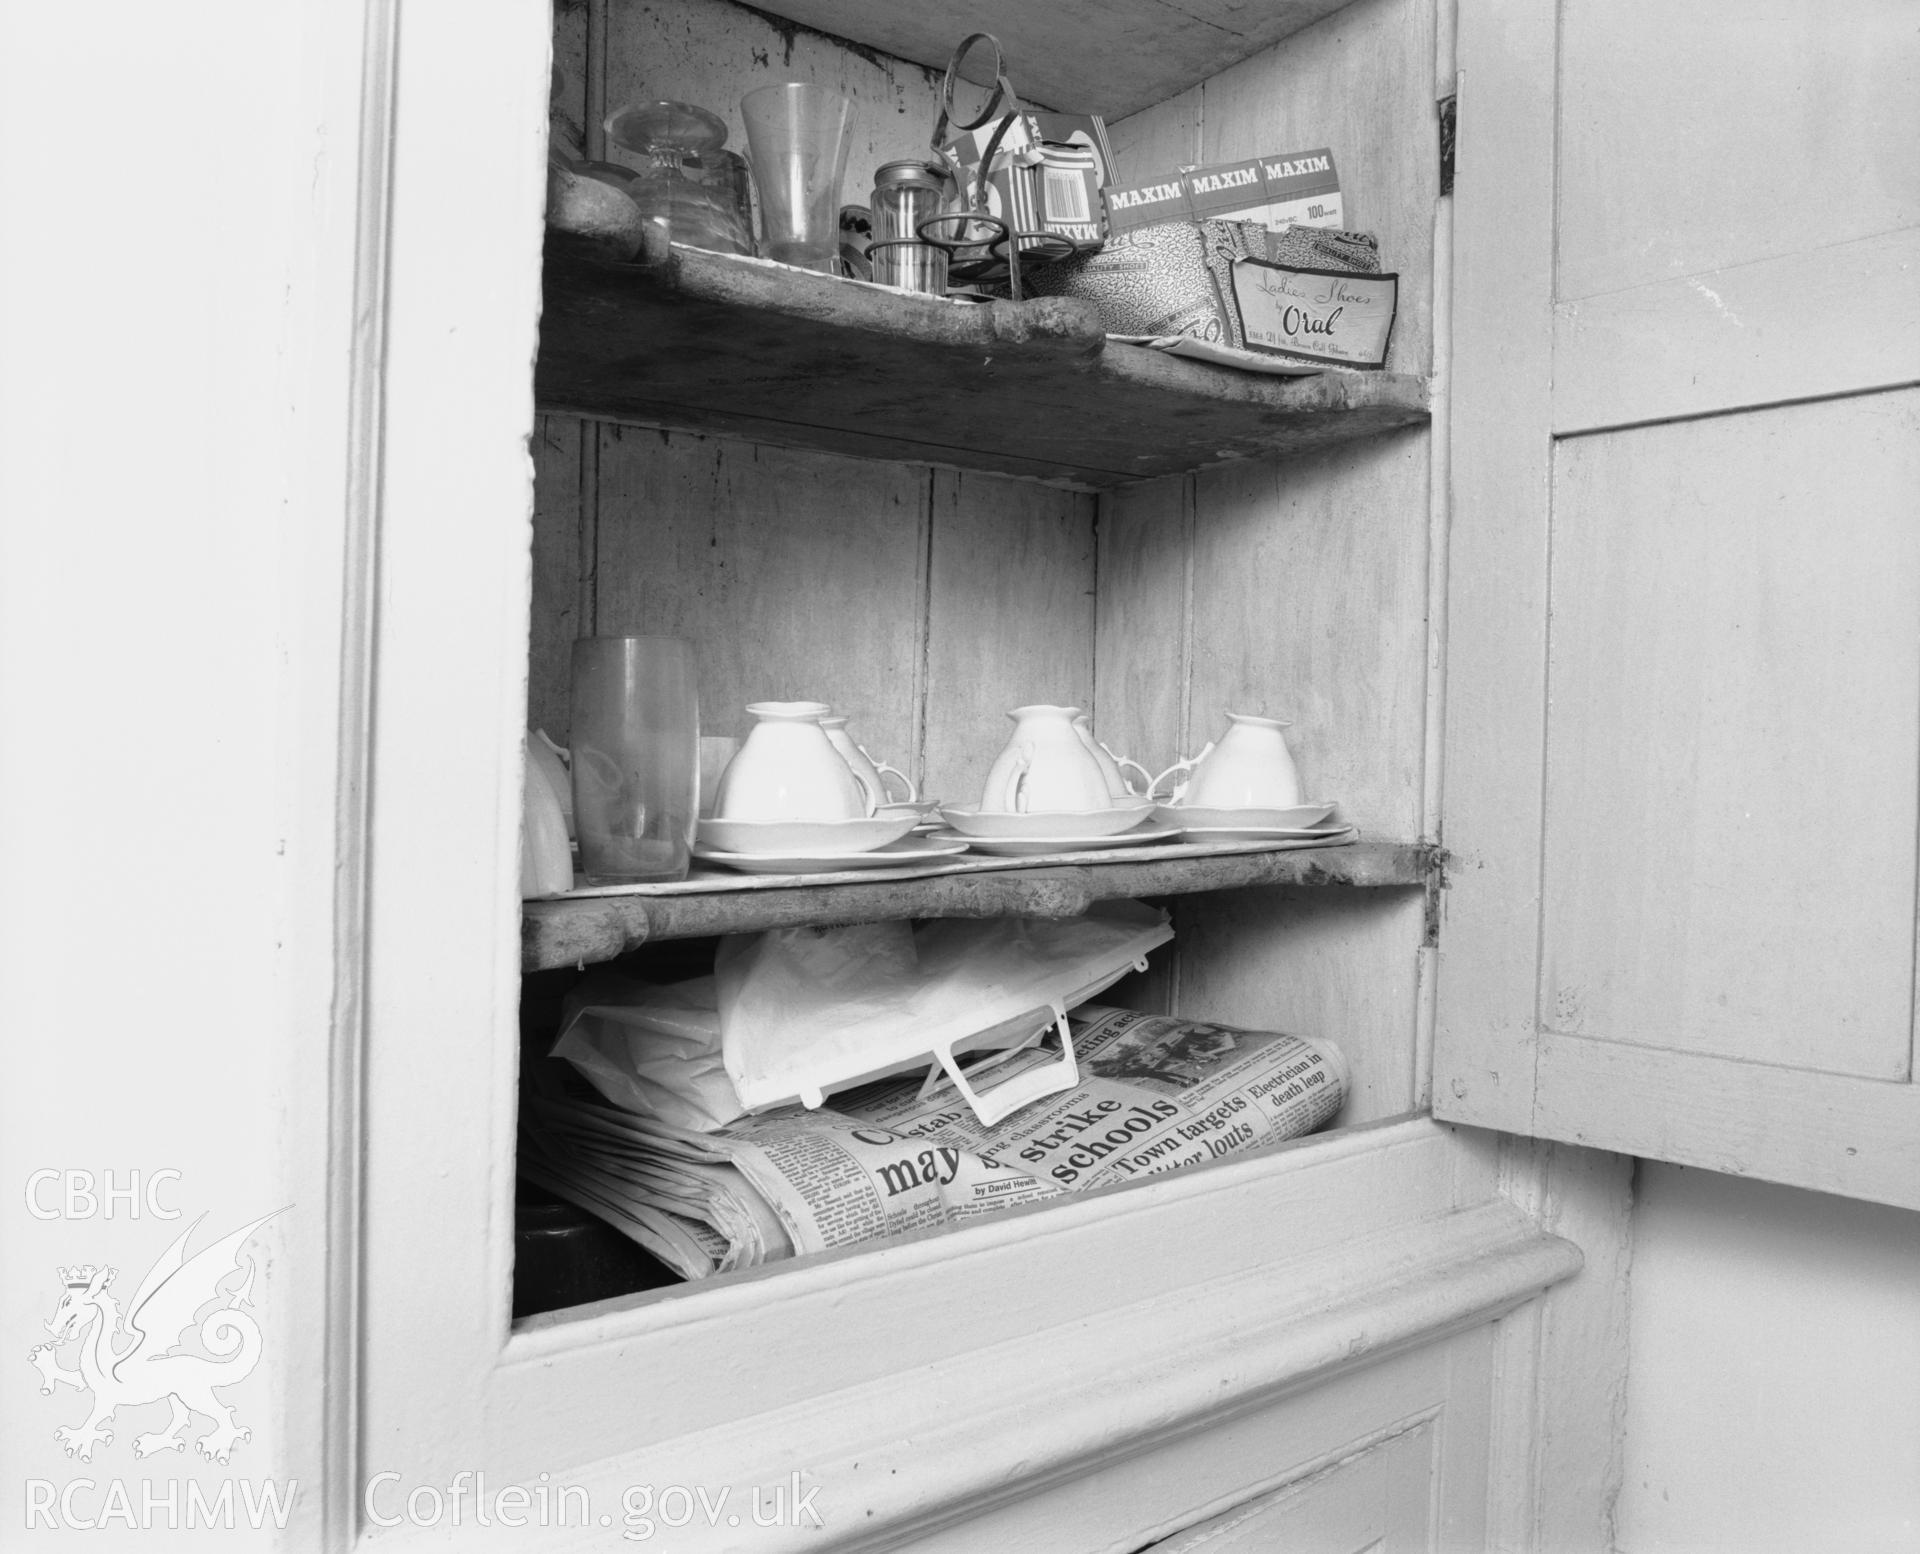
(788, 770)
(1045, 767)
(1250, 768)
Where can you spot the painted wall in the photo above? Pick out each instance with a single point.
(1773, 1390)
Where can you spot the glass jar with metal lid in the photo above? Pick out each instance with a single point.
(904, 195)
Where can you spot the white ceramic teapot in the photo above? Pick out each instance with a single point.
(787, 769)
(1046, 766)
(1250, 768)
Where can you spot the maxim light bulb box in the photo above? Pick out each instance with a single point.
(1296, 188)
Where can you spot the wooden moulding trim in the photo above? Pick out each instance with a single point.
(597, 928)
(911, 1454)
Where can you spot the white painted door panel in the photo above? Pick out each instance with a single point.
(1733, 683)
(1706, 136)
(1683, 745)
(1394, 1457)
(1378, 1500)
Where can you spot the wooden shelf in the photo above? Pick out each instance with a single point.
(718, 343)
(597, 928)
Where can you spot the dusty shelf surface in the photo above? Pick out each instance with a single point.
(747, 348)
(584, 930)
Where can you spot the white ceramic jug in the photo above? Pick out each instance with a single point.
(872, 773)
(787, 769)
(1250, 768)
(546, 863)
(1111, 765)
(1046, 766)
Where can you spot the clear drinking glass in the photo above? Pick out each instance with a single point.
(797, 141)
(636, 740)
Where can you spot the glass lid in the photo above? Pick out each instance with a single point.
(678, 127)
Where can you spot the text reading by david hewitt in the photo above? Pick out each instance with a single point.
(92, 1504)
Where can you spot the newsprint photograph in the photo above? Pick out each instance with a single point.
(960, 776)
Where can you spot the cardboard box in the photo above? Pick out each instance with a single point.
(1296, 188)
(1303, 295)
(1047, 175)
(1339, 318)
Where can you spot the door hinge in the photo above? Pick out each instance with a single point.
(1446, 107)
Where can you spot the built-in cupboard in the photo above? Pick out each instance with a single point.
(1566, 643)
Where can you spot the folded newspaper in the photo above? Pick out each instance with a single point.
(902, 1155)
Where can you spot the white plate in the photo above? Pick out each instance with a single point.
(1044, 825)
(805, 838)
(1239, 819)
(1034, 846)
(1263, 833)
(903, 854)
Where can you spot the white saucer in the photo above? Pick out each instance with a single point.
(1045, 825)
(1187, 816)
(1035, 846)
(1263, 833)
(810, 838)
(903, 854)
(920, 809)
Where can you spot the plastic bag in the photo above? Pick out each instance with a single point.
(653, 1050)
(807, 1011)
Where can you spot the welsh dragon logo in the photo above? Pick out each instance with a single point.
(139, 1360)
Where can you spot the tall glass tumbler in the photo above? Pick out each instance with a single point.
(636, 741)
(797, 141)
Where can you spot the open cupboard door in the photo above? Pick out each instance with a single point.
(1684, 627)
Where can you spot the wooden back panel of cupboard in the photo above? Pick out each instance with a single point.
(927, 602)
(924, 603)
(1683, 751)
(1299, 587)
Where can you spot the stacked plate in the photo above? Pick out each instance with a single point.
(925, 813)
(1199, 824)
(1053, 831)
(818, 846)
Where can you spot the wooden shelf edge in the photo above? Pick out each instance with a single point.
(598, 928)
(729, 345)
